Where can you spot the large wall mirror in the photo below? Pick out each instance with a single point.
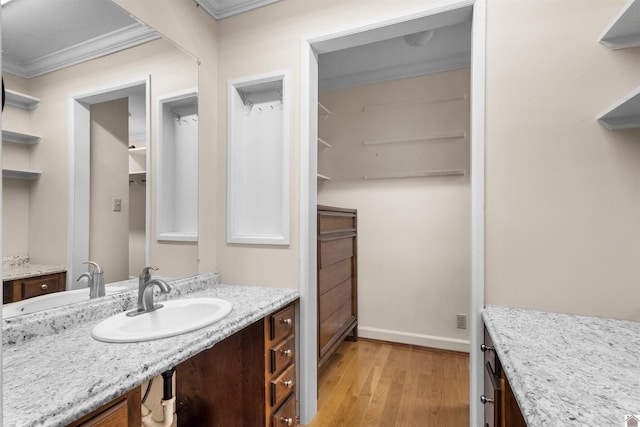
(81, 133)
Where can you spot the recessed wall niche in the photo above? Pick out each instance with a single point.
(258, 161)
(177, 191)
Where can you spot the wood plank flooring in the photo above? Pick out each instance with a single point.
(369, 383)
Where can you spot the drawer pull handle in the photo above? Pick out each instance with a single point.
(286, 321)
(286, 353)
(287, 421)
(484, 348)
(44, 287)
(484, 400)
(287, 383)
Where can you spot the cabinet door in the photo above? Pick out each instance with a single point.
(121, 412)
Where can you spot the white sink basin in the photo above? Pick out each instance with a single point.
(174, 318)
(56, 299)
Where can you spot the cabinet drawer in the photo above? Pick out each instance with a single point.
(282, 324)
(286, 415)
(492, 396)
(282, 354)
(332, 251)
(335, 298)
(336, 222)
(283, 385)
(334, 274)
(116, 416)
(41, 286)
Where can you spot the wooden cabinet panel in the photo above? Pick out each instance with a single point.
(20, 289)
(286, 415)
(334, 274)
(332, 251)
(337, 279)
(282, 354)
(121, 412)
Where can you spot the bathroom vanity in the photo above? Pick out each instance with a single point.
(21, 279)
(553, 369)
(77, 375)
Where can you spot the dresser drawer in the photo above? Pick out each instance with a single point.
(282, 324)
(41, 286)
(286, 415)
(334, 222)
(283, 385)
(282, 354)
(332, 251)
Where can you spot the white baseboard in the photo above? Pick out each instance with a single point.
(414, 339)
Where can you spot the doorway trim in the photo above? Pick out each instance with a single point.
(308, 386)
(79, 170)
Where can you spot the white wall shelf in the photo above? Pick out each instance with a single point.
(624, 31)
(625, 114)
(137, 160)
(420, 174)
(323, 144)
(323, 111)
(20, 100)
(444, 136)
(20, 174)
(19, 137)
(323, 177)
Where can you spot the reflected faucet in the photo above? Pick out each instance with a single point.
(95, 279)
(145, 292)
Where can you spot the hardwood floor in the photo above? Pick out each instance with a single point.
(370, 383)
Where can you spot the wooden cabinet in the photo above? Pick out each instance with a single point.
(121, 412)
(248, 379)
(337, 279)
(19, 289)
(500, 406)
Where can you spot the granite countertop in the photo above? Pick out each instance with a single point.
(54, 372)
(23, 271)
(568, 370)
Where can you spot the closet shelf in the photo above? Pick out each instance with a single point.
(323, 142)
(625, 114)
(323, 177)
(20, 100)
(21, 174)
(19, 137)
(138, 150)
(453, 135)
(377, 107)
(624, 31)
(420, 174)
(323, 111)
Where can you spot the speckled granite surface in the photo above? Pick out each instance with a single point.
(568, 370)
(69, 374)
(19, 267)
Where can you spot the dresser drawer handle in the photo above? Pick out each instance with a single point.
(287, 383)
(484, 400)
(286, 353)
(286, 321)
(287, 421)
(44, 287)
(484, 348)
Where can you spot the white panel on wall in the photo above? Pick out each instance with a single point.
(177, 213)
(258, 161)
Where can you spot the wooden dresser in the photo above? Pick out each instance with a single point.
(337, 279)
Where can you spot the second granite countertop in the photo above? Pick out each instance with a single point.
(55, 379)
(568, 370)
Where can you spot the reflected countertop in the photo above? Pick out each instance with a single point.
(68, 374)
(568, 370)
(20, 267)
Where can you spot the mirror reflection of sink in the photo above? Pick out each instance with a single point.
(57, 299)
(174, 318)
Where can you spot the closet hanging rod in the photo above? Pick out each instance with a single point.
(420, 174)
(414, 103)
(444, 136)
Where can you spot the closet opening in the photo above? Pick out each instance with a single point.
(395, 130)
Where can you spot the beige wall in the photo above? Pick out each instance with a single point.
(413, 234)
(562, 192)
(109, 229)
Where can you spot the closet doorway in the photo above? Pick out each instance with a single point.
(403, 174)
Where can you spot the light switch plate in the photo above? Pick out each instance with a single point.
(117, 205)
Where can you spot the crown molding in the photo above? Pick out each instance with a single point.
(218, 11)
(114, 41)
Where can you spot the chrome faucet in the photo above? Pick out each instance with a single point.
(95, 279)
(145, 292)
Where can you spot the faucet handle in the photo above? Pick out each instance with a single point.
(146, 275)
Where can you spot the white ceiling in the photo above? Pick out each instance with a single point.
(40, 36)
